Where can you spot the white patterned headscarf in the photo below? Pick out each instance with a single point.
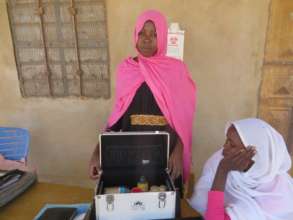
(265, 191)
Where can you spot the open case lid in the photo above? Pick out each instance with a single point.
(133, 150)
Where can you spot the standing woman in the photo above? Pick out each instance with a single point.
(154, 92)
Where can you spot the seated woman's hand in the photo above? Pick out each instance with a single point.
(238, 159)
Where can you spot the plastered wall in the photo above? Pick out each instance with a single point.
(224, 46)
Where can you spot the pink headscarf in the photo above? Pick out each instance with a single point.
(169, 81)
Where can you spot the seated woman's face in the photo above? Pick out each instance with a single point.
(147, 40)
(233, 141)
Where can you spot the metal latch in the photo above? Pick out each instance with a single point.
(162, 200)
(110, 202)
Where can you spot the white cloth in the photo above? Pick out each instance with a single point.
(265, 191)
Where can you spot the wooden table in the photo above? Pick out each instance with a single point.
(27, 206)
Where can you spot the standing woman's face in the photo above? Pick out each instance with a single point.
(147, 40)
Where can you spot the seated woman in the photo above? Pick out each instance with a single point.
(248, 178)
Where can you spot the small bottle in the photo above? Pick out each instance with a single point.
(162, 188)
(154, 188)
(143, 184)
(123, 189)
(118, 189)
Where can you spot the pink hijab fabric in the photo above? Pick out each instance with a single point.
(169, 81)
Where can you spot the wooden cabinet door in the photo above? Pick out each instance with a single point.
(276, 94)
(279, 44)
